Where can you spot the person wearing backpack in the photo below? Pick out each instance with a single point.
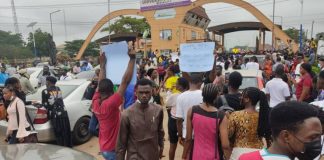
(232, 99)
(52, 100)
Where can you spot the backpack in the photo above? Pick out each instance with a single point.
(225, 107)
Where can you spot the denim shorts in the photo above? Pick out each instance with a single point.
(109, 155)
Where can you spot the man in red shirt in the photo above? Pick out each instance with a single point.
(106, 106)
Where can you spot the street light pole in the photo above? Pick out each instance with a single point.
(65, 25)
(32, 26)
(301, 27)
(109, 21)
(273, 25)
(51, 20)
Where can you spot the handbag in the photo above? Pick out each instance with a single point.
(32, 137)
(3, 112)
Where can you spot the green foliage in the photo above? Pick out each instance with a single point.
(12, 46)
(128, 25)
(14, 52)
(44, 43)
(72, 47)
(11, 39)
(293, 33)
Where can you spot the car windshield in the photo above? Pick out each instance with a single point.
(249, 82)
(66, 91)
(85, 75)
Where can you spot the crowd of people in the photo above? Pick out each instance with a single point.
(209, 115)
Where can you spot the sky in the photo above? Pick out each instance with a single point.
(82, 15)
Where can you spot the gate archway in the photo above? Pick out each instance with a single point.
(181, 12)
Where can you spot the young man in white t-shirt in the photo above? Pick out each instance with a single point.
(277, 90)
(185, 101)
(253, 64)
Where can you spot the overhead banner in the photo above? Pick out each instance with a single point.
(147, 5)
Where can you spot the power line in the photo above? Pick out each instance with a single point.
(71, 5)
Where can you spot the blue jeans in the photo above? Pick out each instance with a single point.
(93, 125)
(109, 155)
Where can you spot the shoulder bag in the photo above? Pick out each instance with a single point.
(32, 137)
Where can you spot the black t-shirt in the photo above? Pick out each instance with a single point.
(233, 101)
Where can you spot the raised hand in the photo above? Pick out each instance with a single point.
(131, 50)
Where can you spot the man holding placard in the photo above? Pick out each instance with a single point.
(106, 105)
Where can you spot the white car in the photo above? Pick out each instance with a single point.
(251, 78)
(76, 105)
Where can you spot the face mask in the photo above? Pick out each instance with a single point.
(311, 150)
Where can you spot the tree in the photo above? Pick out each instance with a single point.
(128, 25)
(72, 47)
(45, 45)
(293, 33)
(11, 39)
(12, 46)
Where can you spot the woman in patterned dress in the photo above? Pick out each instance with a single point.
(247, 128)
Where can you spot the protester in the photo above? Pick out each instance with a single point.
(321, 63)
(26, 86)
(237, 64)
(3, 76)
(42, 78)
(185, 101)
(219, 79)
(153, 76)
(320, 86)
(64, 76)
(298, 63)
(141, 132)
(296, 132)
(204, 121)
(277, 90)
(171, 80)
(278, 62)
(268, 67)
(76, 68)
(18, 125)
(182, 85)
(246, 128)
(106, 105)
(243, 66)
(305, 86)
(161, 72)
(52, 100)
(233, 97)
(15, 84)
(253, 64)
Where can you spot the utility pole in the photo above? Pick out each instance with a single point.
(109, 21)
(312, 31)
(32, 26)
(52, 22)
(301, 26)
(13, 8)
(273, 25)
(65, 25)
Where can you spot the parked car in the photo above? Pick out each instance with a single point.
(85, 75)
(76, 105)
(39, 151)
(251, 78)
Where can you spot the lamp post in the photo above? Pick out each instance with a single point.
(301, 26)
(51, 20)
(32, 24)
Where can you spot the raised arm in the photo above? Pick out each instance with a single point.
(103, 62)
(129, 71)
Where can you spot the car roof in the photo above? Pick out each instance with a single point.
(72, 82)
(247, 72)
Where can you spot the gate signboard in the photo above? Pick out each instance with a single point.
(147, 5)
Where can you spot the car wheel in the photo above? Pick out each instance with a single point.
(81, 132)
